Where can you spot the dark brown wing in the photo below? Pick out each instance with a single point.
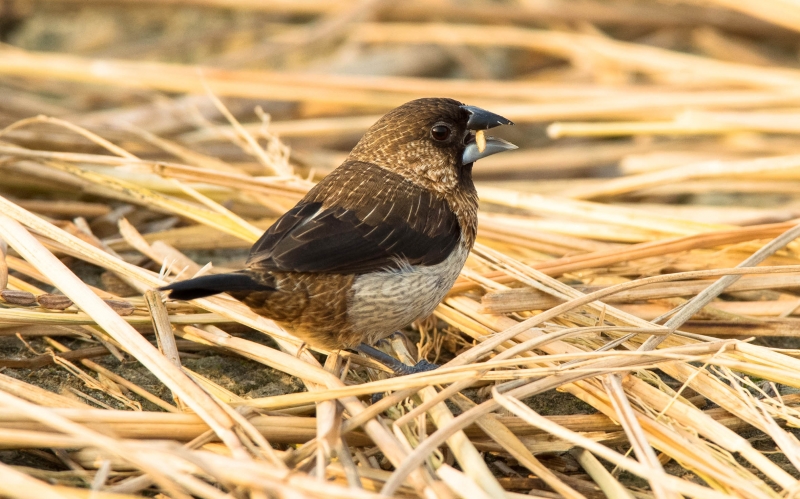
(360, 218)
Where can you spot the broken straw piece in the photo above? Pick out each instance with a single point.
(480, 140)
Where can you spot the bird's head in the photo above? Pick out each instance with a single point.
(431, 142)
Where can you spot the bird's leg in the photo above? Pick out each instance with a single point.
(395, 365)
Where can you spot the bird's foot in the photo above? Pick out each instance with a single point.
(397, 367)
(420, 367)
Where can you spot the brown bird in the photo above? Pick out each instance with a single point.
(379, 242)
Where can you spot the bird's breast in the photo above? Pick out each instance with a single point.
(383, 302)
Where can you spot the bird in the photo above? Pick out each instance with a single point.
(379, 241)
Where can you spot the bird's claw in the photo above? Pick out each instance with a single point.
(420, 367)
(397, 367)
(400, 369)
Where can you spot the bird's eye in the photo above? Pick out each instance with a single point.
(440, 132)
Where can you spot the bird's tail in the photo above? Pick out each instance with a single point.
(208, 285)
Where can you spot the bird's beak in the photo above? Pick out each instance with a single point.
(481, 119)
(493, 146)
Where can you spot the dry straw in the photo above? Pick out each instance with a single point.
(601, 289)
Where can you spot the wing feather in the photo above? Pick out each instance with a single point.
(332, 230)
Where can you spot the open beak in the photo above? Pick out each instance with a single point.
(481, 119)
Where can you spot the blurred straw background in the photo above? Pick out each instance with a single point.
(626, 326)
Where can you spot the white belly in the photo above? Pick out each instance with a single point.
(383, 302)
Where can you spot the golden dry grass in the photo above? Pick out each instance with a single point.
(657, 297)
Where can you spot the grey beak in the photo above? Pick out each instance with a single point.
(493, 146)
(481, 119)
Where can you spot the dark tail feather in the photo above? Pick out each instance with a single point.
(208, 285)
